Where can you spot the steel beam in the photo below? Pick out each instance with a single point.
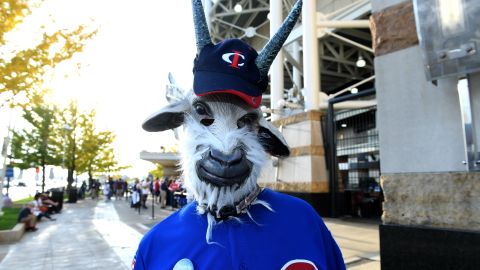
(276, 70)
(311, 65)
(343, 24)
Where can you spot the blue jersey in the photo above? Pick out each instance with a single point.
(293, 236)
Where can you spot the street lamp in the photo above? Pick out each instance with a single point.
(66, 128)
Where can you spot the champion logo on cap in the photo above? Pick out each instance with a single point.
(233, 58)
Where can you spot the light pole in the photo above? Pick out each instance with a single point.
(66, 128)
(6, 144)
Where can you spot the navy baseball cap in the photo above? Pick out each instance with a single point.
(229, 67)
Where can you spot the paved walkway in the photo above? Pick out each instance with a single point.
(104, 235)
(72, 242)
(359, 242)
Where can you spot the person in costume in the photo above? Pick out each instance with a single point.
(232, 222)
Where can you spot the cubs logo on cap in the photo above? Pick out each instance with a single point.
(232, 66)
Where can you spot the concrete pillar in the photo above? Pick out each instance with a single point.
(297, 76)
(431, 208)
(276, 70)
(304, 172)
(311, 66)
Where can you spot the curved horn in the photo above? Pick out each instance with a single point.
(267, 55)
(201, 28)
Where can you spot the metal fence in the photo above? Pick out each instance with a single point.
(353, 158)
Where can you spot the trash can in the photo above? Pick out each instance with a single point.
(72, 195)
(57, 196)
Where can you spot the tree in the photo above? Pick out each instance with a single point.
(22, 71)
(157, 172)
(108, 162)
(95, 153)
(69, 122)
(64, 137)
(36, 145)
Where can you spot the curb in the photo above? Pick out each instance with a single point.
(13, 235)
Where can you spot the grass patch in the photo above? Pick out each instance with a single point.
(24, 201)
(9, 218)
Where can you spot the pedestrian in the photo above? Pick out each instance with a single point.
(135, 202)
(144, 191)
(163, 192)
(107, 191)
(126, 188)
(83, 188)
(7, 202)
(173, 188)
(169, 193)
(156, 189)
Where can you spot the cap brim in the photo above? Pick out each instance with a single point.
(206, 82)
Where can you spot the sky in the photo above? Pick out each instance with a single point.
(123, 70)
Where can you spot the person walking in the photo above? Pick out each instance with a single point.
(107, 191)
(145, 189)
(156, 190)
(163, 192)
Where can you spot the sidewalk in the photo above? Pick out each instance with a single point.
(74, 241)
(99, 235)
(359, 242)
(141, 220)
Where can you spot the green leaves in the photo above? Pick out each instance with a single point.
(35, 147)
(157, 172)
(64, 137)
(96, 153)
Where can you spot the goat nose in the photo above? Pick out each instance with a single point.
(227, 159)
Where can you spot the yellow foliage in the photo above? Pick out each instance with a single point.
(22, 72)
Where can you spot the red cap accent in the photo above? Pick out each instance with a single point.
(251, 101)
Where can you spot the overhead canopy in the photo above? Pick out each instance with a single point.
(169, 161)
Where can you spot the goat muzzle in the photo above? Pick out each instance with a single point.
(220, 169)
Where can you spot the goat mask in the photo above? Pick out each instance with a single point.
(225, 137)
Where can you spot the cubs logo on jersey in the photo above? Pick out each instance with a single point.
(299, 265)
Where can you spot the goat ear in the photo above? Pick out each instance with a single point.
(272, 140)
(170, 117)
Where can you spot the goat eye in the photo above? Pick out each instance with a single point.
(247, 120)
(200, 109)
(207, 121)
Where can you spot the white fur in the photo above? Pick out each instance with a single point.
(225, 136)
